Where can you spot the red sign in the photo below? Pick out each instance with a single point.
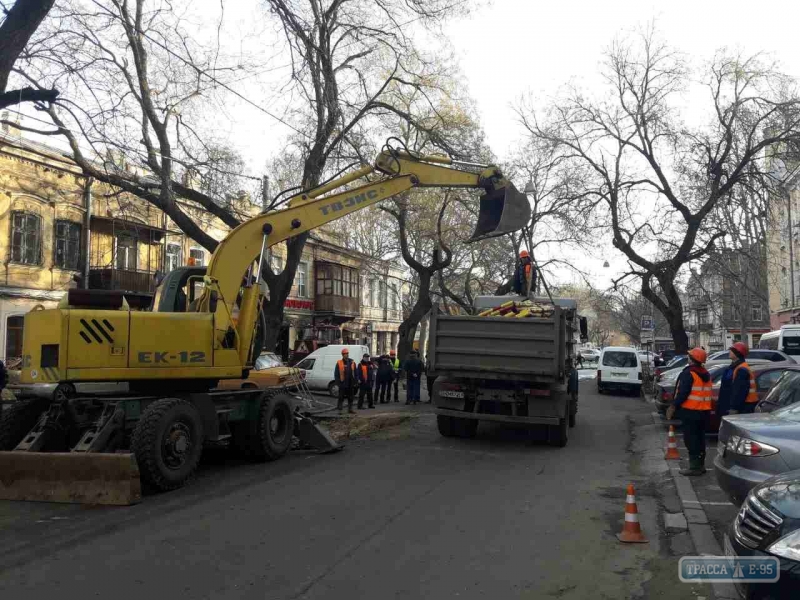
(299, 304)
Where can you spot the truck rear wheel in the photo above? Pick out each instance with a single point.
(557, 435)
(18, 419)
(168, 442)
(445, 425)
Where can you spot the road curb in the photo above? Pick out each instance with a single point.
(705, 543)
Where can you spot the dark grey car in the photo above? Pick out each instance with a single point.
(755, 447)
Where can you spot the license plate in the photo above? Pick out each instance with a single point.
(619, 374)
(451, 394)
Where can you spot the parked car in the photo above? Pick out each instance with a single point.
(676, 362)
(753, 448)
(619, 367)
(267, 372)
(589, 354)
(766, 374)
(768, 524)
(723, 358)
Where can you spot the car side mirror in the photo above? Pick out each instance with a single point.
(213, 300)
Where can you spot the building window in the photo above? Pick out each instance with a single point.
(393, 295)
(127, 252)
(302, 279)
(26, 238)
(68, 245)
(372, 292)
(173, 257)
(755, 313)
(336, 280)
(197, 257)
(382, 302)
(14, 337)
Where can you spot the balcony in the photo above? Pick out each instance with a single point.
(336, 306)
(140, 282)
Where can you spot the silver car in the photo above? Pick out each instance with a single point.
(754, 447)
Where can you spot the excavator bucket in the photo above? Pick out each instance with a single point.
(80, 478)
(502, 211)
(313, 436)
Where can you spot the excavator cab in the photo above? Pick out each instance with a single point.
(503, 210)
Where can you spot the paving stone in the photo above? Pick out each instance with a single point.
(675, 521)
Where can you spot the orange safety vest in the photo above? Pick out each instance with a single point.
(752, 394)
(364, 371)
(700, 396)
(340, 366)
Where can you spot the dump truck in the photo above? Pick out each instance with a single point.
(519, 371)
(205, 325)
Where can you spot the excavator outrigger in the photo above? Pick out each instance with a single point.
(97, 449)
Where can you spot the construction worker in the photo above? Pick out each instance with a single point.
(413, 369)
(524, 272)
(693, 400)
(429, 380)
(345, 375)
(383, 379)
(737, 390)
(396, 366)
(366, 379)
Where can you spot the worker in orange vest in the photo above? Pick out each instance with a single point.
(525, 272)
(693, 400)
(738, 392)
(366, 381)
(344, 374)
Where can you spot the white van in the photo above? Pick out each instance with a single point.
(619, 368)
(320, 363)
(786, 340)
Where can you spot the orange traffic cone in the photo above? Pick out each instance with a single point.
(631, 531)
(672, 446)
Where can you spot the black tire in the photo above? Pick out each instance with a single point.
(466, 428)
(269, 437)
(573, 409)
(445, 425)
(558, 435)
(168, 442)
(333, 389)
(572, 419)
(18, 419)
(64, 391)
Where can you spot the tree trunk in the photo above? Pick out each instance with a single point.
(423, 335)
(422, 307)
(672, 309)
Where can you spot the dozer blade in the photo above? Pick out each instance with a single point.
(311, 434)
(501, 211)
(81, 478)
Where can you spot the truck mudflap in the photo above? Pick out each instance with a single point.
(70, 477)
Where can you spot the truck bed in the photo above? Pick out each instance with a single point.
(498, 347)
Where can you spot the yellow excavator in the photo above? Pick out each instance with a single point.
(100, 449)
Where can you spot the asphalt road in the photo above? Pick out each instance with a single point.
(405, 515)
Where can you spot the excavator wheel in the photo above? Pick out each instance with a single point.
(18, 419)
(270, 436)
(168, 442)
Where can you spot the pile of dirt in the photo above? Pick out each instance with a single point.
(358, 426)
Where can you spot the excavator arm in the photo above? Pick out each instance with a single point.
(503, 209)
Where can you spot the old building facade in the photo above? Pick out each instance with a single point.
(59, 229)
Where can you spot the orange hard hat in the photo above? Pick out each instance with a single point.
(523, 254)
(698, 354)
(741, 349)
(345, 351)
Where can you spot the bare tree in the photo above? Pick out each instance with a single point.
(17, 26)
(655, 180)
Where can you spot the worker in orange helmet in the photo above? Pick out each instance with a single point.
(693, 400)
(737, 392)
(525, 271)
(344, 374)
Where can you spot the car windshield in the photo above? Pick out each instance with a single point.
(791, 412)
(786, 391)
(267, 361)
(791, 344)
(676, 361)
(722, 355)
(619, 359)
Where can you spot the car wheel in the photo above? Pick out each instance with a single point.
(333, 389)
